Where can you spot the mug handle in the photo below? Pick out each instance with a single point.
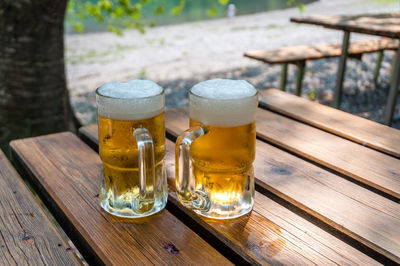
(146, 170)
(184, 178)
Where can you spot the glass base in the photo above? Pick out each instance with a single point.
(220, 204)
(226, 212)
(129, 212)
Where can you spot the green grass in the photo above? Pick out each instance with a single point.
(92, 56)
(179, 37)
(142, 74)
(268, 27)
(312, 94)
(385, 1)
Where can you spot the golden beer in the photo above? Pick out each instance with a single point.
(214, 158)
(118, 148)
(224, 172)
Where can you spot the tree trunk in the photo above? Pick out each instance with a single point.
(33, 95)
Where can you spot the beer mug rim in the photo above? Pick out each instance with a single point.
(223, 99)
(120, 98)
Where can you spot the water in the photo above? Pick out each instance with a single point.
(194, 11)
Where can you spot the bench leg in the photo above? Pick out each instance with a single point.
(378, 65)
(300, 74)
(394, 85)
(284, 76)
(392, 71)
(341, 70)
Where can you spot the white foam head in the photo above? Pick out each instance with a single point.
(223, 102)
(132, 100)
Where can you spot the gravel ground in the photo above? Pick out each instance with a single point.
(361, 96)
(179, 56)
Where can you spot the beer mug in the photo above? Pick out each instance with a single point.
(214, 158)
(132, 148)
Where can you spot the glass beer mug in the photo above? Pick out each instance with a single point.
(132, 148)
(214, 158)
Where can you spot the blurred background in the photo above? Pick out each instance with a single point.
(199, 44)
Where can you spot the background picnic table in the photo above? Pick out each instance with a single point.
(384, 25)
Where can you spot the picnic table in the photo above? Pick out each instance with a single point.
(384, 25)
(327, 192)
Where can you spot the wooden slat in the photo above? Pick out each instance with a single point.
(373, 168)
(386, 25)
(357, 129)
(305, 52)
(364, 216)
(70, 172)
(27, 236)
(270, 233)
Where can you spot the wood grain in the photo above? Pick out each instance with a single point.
(298, 53)
(70, 172)
(27, 236)
(386, 25)
(345, 125)
(364, 216)
(270, 233)
(373, 168)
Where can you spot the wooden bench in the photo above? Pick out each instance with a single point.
(298, 55)
(27, 236)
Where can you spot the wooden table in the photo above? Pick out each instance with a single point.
(385, 25)
(328, 192)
